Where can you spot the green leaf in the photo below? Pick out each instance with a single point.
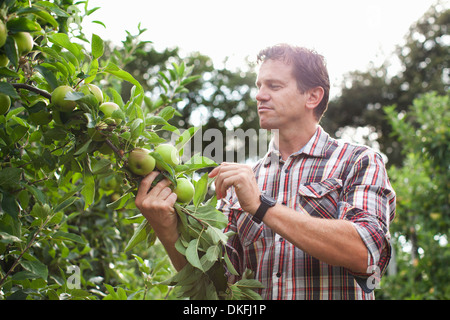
(54, 8)
(139, 235)
(88, 190)
(136, 128)
(155, 121)
(8, 238)
(189, 80)
(97, 46)
(9, 90)
(112, 292)
(9, 176)
(169, 174)
(192, 254)
(62, 40)
(250, 283)
(64, 204)
(229, 265)
(212, 216)
(115, 70)
(41, 211)
(11, 51)
(121, 202)
(216, 235)
(183, 274)
(68, 236)
(201, 188)
(22, 25)
(36, 267)
(213, 252)
(83, 148)
(48, 75)
(8, 73)
(185, 137)
(44, 15)
(10, 205)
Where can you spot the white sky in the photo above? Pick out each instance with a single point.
(349, 33)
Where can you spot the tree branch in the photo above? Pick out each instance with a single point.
(43, 93)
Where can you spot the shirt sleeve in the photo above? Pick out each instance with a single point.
(369, 203)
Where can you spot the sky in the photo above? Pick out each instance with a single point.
(350, 34)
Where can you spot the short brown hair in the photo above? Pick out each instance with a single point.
(309, 69)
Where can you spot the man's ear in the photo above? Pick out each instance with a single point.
(315, 95)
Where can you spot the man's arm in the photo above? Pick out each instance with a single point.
(335, 242)
(156, 206)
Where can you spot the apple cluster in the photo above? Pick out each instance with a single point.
(141, 162)
(24, 43)
(63, 104)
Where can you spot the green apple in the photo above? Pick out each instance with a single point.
(115, 196)
(3, 60)
(24, 42)
(58, 99)
(109, 183)
(93, 89)
(140, 161)
(5, 103)
(169, 154)
(3, 33)
(184, 190)
(108, 108)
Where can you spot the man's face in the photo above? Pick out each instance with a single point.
(280, 104)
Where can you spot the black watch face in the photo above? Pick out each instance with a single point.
(268, 200)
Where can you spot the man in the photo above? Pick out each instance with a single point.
(311, 218)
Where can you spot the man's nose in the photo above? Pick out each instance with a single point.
(261, 95)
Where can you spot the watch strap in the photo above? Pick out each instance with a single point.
(262, 210)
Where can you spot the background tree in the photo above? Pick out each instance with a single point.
(424, 59)
(420, 231)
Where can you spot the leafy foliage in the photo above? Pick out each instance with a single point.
(68, 223)
(423, 61)
(422, 185)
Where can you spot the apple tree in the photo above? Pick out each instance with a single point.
(69, 228)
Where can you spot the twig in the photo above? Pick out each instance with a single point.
(43, 93)
(114, 148)
(186, 211)
(16, 262)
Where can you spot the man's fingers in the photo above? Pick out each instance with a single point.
(172, 198)
(145, 184)
(160, 186)
(225, 178)
(214, 172)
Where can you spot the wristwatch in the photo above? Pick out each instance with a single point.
(266, 203)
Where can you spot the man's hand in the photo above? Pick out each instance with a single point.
(242, 178)
(156, 205)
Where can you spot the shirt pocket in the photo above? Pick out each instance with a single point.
(320, 199)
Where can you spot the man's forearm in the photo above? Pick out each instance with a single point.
(335, 242)
(177, 259)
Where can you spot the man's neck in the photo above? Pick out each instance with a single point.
(289, 142)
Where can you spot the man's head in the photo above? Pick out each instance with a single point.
(309, 69)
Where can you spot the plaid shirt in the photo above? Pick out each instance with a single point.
(330, 180)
